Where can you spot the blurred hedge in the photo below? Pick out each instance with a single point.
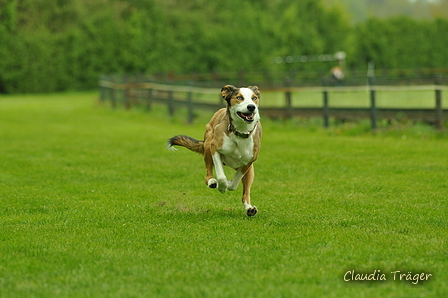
(54, 45)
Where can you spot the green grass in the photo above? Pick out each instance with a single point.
(409, 99)
(93, 205)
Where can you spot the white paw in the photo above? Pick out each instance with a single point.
(222, 186)
(231, 185)
(212, 183)
(252, 211)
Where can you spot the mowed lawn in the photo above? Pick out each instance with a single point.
(93, 205)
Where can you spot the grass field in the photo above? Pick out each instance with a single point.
(401, 98)
(93, 205)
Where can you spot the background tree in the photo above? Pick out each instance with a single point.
(53, 45)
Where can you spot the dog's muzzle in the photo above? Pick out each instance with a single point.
(249, 116)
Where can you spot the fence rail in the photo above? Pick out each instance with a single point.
(135, 91)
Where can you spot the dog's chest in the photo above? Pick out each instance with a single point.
(236, 151)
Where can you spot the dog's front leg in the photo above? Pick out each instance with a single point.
(232, 185)
(248, 178)
(220, 175)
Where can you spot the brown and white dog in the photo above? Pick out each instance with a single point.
(232, 138)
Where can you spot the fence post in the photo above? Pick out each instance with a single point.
(190, 107)
(373, 114)
(326, 110)
(170, 103)
(241, 78)
(126, 95)
(113, 92)
(439, 110)
(103, 89)
(148, 99)
(141, 91)
(288, 100)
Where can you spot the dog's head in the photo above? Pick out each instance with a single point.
(242, 103)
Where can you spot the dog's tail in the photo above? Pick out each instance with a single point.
(187, 142)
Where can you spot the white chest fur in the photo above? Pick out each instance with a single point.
(236, 152)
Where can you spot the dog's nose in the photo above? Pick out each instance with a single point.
(251, 108)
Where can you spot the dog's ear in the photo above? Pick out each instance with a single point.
(255, 90)
(227, 91)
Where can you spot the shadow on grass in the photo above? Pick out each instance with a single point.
(181, 210)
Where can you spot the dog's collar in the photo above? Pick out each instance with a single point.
(243, 135)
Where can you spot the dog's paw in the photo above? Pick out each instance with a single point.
(231, 186)
(222, 189)
(222, 186)
(252, 211)
(212, 183)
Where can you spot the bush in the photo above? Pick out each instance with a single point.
(57, 45)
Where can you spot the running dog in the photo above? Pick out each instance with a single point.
(232, 138)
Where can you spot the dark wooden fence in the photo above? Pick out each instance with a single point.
(128, 91)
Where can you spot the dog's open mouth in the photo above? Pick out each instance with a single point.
(248, 117)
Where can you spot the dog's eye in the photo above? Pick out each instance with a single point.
(254, 98)
(239, 97)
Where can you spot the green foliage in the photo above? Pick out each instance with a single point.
(401, 42)
(67, 44)
(361, 10)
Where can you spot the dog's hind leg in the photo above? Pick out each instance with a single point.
(248, 179)
(209, 180)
